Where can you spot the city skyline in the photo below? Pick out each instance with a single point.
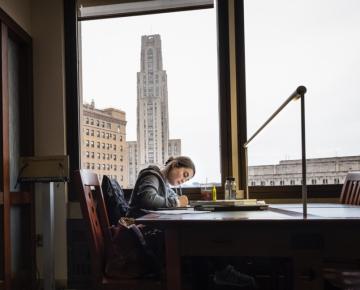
(111, 60)
(320, 52)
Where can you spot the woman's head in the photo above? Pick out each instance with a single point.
(179, 170)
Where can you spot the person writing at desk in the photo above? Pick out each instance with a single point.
(153, 190)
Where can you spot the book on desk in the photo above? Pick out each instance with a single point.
(229, 205)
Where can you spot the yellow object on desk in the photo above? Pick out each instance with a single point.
(214, 193)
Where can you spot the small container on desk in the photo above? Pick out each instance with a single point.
(230, 188)
(205, 193)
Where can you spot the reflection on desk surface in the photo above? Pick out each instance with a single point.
(316, 211)
(322, 210)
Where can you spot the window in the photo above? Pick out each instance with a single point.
(319, 50)
(177, 66)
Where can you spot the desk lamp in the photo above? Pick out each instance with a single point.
(297, 94)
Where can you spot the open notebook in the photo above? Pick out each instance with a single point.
(229, 205)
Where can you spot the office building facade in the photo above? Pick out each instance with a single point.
(103, 142)
(330, 170)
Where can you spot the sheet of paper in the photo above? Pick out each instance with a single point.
(177, 211)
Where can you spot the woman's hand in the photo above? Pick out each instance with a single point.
(183, 200)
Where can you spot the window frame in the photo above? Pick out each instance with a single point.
(232, 101)
(263, 192)
(72, 81)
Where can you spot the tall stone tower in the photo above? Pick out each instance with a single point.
(152, 104)
(152, 145)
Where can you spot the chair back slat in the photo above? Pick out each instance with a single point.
(350, 193)
(95, 215)
(357, 193)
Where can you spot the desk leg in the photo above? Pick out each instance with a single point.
(308, 271)
(173, 262)
(48, 234)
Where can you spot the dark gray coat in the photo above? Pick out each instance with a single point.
(151, 191)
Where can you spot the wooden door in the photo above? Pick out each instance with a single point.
(17, 205)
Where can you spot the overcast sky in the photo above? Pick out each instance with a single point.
(315, 43)
(288, 43)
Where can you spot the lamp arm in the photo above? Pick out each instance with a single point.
(300, 91)
(298, 94)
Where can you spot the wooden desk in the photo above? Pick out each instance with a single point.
(330, 231)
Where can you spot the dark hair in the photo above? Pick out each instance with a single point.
(180, 161)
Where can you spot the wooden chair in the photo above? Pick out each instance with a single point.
(342, 276)
(95, 215)
(350, 193)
